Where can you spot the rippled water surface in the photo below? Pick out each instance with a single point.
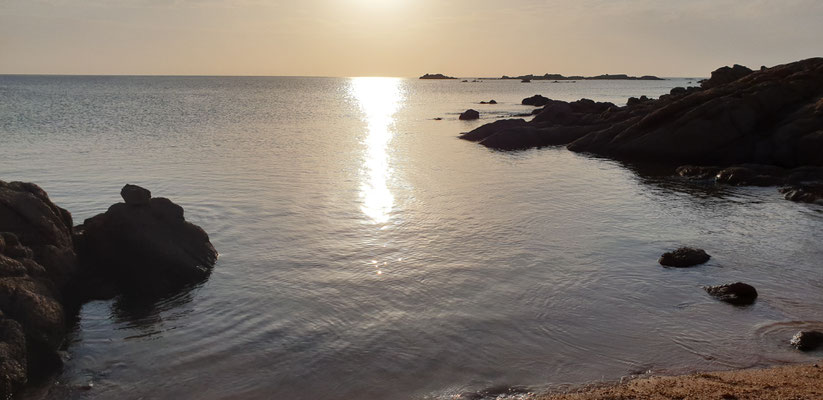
(366, 252)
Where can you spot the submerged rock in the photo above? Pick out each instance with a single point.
(469, 115)
(807, 340)
(697, 172)
(146, 248)
(684, 257)
(738, 293)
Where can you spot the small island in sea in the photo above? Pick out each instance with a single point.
(436, 76)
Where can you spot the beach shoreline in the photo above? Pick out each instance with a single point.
(803, 381)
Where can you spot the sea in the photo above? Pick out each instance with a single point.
(366, 252)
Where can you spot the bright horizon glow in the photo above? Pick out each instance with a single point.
(406, 38)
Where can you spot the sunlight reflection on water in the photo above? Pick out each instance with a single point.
(379, 100)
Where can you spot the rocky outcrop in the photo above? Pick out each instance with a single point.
(724, 75)
(40, 225)
(739, 293)
(807, 340)
(684, 257)
(141, 247)
(37, 263)
(772, 117)
(469, 115)
(145, 245)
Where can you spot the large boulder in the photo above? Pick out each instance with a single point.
(40, 225)
(12, 357)
(145, 247)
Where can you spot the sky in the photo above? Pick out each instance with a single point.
(406, 38)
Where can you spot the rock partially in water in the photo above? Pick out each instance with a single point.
(739, 293)
(469, 115)
(766, 117)
(807, 340)
(684, 257)
(804, 193)
(147, 249)
(536, 100)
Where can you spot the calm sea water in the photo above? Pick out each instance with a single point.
(366, 252)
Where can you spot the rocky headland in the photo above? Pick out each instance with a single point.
(142, 248)
(740, 127)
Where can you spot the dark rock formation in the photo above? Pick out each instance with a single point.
(437, 76)
(40, 225)
(536, 100)
(772, 117)
(739, 294)
(145, 248)
(469, 115)
(684, 257)
(37, 262)
(697, 172)
(807, 340)
(804, 193)
(724, 75)
(488, 102)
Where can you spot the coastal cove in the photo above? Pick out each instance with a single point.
(367, 252)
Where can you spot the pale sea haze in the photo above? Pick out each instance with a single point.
(368, 253)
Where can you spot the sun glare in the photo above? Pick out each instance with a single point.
(379, 100)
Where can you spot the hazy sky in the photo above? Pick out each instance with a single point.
(404, 37)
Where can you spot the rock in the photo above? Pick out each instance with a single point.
(678, 91)
(42, 228)
(495, 392)
(804, 193)
(12, 357)
(469, 115)
(149, 250)
(807, 340)
(739, 293)
(724, 75)
(536, 100)
(134, 195)
(746, 176)
(767, 117)
(697, 172)
(684, 257)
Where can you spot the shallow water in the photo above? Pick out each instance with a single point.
(365, 252)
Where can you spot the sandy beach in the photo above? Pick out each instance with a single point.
(787, 382)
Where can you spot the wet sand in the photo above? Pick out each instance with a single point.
(788, 382)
